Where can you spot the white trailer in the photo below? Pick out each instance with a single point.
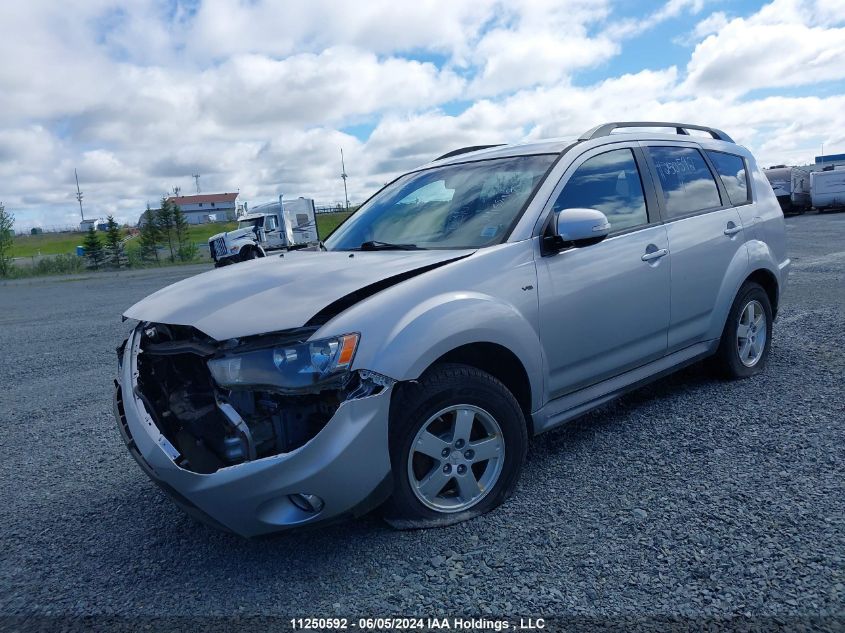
(791, 186)
(278, 225)
(827, 188)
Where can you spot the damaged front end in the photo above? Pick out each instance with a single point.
(220, 404)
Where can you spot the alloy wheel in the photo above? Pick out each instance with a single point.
(751, 333)
(456, 458)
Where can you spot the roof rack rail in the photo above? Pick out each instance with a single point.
(466, 150)
(681, 128)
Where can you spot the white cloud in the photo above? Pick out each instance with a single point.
(539, 42)
(636, 26)
(760, 52)
(713, 23)
(309, 89)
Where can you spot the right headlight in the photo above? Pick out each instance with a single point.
(295, 367)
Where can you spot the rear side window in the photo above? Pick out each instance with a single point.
(685, 179)
(610, 183)
(731, 169)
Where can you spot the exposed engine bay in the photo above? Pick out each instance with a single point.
(213, 427)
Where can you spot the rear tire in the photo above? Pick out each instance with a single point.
(458, 440)
(747, 337)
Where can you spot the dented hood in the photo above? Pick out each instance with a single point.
(278, 293)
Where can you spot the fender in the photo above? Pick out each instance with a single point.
(407, 327)
(442, 319)
(756, 256)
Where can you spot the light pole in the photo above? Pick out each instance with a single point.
(78, 193)
(343, 175)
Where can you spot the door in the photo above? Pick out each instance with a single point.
(705, 236)
(272, 232)
(604, 309)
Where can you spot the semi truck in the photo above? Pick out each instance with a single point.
(268, 227)
(791, 186)
(827, 188)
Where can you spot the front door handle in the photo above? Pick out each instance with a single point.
(651, 255)
(732, 229)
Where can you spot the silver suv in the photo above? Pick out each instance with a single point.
(488, 296)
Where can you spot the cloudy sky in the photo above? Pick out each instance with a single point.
(260, 95)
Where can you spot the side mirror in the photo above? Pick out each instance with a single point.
(579, 227)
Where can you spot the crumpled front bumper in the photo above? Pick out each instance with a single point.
(347, 465)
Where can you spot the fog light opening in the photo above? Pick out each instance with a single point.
(307, 503)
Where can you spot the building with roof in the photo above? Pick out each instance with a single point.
(208, 207)
(99, 224)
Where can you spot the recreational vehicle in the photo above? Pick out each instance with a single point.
(791, 186)
(827, 188)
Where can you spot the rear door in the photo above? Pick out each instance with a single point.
(704, 229)
(604, 309)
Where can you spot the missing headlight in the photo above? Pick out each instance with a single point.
(214, 427)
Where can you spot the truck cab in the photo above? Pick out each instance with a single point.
(268, 227)
(265, 227)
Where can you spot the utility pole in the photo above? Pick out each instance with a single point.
(343, 175)
(196, 177)
(78, 193)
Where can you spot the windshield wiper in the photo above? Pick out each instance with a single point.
(377, 245)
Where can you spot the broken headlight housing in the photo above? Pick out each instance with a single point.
(291, 368)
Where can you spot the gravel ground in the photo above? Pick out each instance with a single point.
(691, 497)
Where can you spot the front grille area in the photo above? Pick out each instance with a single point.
(177, 389)
(218, 248)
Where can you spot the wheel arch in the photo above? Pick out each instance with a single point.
(765, 278)
(501, 363)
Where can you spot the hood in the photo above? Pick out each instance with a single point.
(233, 235)
(278, 293)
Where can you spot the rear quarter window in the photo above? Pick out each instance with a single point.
(685, 179)
(734, 174)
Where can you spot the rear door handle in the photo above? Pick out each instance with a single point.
(663, 252)
(732, 229)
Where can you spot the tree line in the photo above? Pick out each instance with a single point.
(7, 238)
(164, 229)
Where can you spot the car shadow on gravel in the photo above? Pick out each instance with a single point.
(142, 530)
(613, 415)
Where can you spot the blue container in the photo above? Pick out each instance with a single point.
(80, 251)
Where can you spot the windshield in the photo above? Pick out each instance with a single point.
(248, 224)
(470, 205)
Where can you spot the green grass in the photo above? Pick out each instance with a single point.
(328, 222)
(59, 243)
(201, 232)
(46, 244)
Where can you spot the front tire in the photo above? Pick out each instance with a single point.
(747, 337)
(458, 440)
(248, 253)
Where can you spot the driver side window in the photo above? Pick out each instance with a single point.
(271, 224)
(610, 183)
